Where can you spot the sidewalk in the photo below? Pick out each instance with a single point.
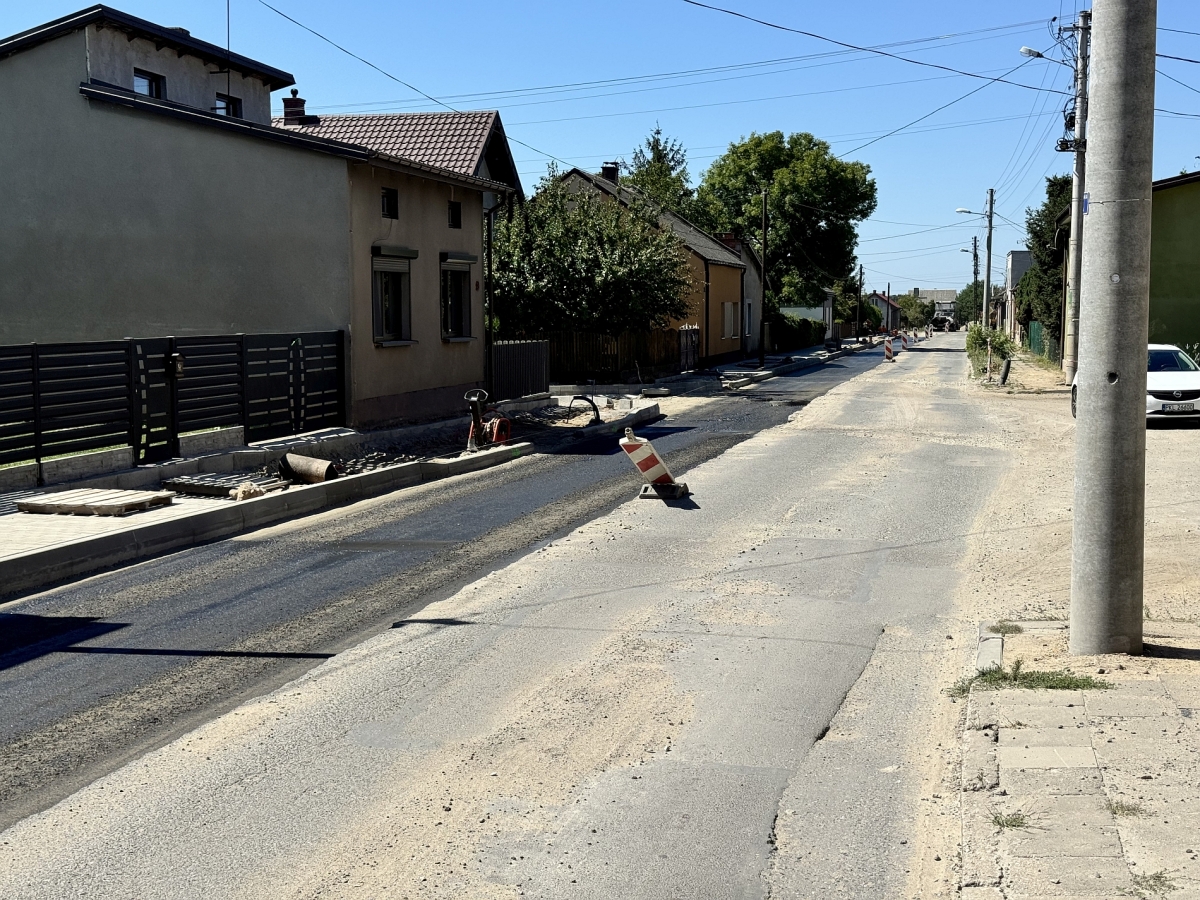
(1084, 793)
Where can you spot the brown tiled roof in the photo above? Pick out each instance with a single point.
(699, 242)
(448, 140)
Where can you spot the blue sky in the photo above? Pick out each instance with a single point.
(528, 58)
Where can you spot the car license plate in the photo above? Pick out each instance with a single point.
(1179, 407)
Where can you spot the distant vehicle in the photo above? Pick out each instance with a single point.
(1172, 384)
(943, 323)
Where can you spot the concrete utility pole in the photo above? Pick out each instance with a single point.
(1083, 30)
(987, 275)
(1108, 554)
(762, 319)
(858, 309)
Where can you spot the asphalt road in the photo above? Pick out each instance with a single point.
(96, 672)
(726, 698)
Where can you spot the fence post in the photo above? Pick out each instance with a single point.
(37, 410)
(135, 407)
(244, 384)
(173, 387)
(343, 406)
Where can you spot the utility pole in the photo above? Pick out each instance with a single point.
(1083, 33)
(975, 265)
(762, 319)
(858, 308)
(987, 275)
(1107, 552)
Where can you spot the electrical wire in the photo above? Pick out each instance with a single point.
(393, 77)
(1179, 31)
(1177, 81)
(820, 37)
(1159, 55)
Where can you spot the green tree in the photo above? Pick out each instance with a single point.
(659, 171)
(915, 311)
(814, 201)
(566, 260)
(1040, 290)
(968, 303)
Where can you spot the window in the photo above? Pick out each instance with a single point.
(391, 203)
(455, 214)
(392, 299)
(149, 85)
(456, 300)
(749, 321)
(1170, 361)
(228, 106)
(731, 321)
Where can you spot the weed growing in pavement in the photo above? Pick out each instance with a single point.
(1157, 883)
(1004, 820)
(1006, 627)
(996, 678)
(1124, 808)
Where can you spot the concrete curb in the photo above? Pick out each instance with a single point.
(990, 652)
(41, 568)
(806, 363)
(637, 417)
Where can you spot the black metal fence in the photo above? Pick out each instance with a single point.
(577, 356)
(57, 399)
(519, 368)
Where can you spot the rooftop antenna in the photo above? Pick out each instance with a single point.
(228, 57)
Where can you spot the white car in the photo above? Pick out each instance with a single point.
(1172, 384)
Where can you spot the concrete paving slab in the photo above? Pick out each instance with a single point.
(1023, 697)
(1076, 735)
(1066, 826)
(1067, 877)
(1184, 690)
(1014, 718)
(1046, 757)
(1051, 782)
(1120, 704)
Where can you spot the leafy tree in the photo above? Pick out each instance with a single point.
(566, 260)
(659, 171)
(915, 311)
(814, 201)
(968, 302)
(1039, 292)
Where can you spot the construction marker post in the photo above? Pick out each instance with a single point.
(660, 484)
(904, 340)
(887, 350)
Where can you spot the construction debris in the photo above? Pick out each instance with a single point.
(94, 502)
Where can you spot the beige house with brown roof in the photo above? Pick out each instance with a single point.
(146, 191)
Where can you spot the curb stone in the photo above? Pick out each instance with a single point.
(43, 567)
(805, 363)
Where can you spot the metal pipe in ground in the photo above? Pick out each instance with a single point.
(1107, 556)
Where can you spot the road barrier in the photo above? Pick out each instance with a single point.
(887, 350)
(904, 340)
(660, 483)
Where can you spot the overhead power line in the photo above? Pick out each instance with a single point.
(387, 74)
(1177, 81)
(1179, 31)
(1159, 55)
(821, 37)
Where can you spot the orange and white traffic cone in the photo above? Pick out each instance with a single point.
(887, 350)
(660, 484)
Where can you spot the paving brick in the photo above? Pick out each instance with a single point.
(1051, 782)
(1046, 757)
(1066, 826)
(1067, 877)
(1073, 736)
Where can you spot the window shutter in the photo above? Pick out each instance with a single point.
(389, 264)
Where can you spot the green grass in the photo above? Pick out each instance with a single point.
(1003, 820)
(1155, 884)
(996, 678)
(1123, 808)
(1006, 627)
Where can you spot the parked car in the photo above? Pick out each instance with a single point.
(1172, 384)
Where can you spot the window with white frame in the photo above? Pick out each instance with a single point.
(731, 321)
(392, 299)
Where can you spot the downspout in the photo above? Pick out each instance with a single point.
(707, 318)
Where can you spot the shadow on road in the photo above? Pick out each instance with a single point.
(24, 637)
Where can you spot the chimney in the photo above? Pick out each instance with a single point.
(729, 239)
(293, 108)
(610, 171)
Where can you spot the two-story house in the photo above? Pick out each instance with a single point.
(146, 191)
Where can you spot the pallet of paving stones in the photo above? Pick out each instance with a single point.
(95, 502)
(221, 484)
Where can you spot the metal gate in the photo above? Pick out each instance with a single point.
(689, 349)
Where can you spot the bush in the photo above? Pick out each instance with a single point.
(978, 337)
(794, 333)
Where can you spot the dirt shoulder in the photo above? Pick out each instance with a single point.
(1118, 820)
